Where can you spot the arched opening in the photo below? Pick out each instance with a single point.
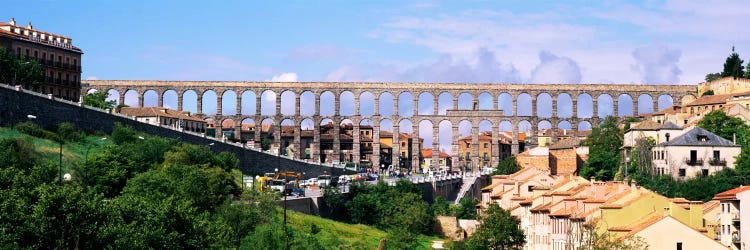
(425, 135)
(584, 126)
(445, 102)
(485, 101)
(386, 143)
(465, 145)
(267, 141)
(604, 105)
(229, 102)
(465, 101)
(624, 105)
(564, 106)
(346, 103)
(426, 104)
(346, 130)
(523, 104)
(385, 104)
(113, 95)
(544, 105)
(190, 101)
(247, 131)
(405, 104)
(306, 140)
(445, 139)
(307, 103)
(545, 133)
(169, 99)
(485, 144)
(248, 103)
(209, 102)
(505, 103)
(150, 98)
(326, 141)
(366, 143)
(287, 138)
(585, 106)
(665, 101)
(406, 145)
(288, 102)
(645, 104)
(327, 103)
(131, 98)
(267, 103)
(564, 125)
(227, 130)
(366, 104)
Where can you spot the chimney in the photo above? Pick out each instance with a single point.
(28, 26)
(13, 21)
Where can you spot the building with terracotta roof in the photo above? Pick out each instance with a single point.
(695, 152)
(658, 132)
(443, 158)
(546, 136)
(466, 157)
(166, 117)
(734, 231)
(60, 60)
(562, 211)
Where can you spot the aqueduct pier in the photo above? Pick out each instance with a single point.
(496, 105)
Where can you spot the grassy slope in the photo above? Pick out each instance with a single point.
(354, 234)
(73, 153)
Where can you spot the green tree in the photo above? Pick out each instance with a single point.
(641, 156)
(441, 207)
(604, 144)
(507, 166)
(265, 144)
(733, 66)
(719, 123)
(467, 209)
(98, 100)
(497, 230)
(708, 92)
(712, 76)
(14, 70)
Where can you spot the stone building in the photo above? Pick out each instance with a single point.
(60, 60)
(465, 159)
(734, 231)
(166, 117)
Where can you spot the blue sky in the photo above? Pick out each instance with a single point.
(641, 42)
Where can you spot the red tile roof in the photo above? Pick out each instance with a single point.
(731, 194)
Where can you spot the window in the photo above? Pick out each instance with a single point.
(704, 172)
(717, 154)
(682, 172)
(679, 245)
(485, 145)
(693, 155)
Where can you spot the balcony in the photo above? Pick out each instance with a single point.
(718, 162)
(736, 217)
(693, 162)
(736, 237)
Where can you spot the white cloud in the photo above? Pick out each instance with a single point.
(554, 69)
(657, 64)
(285, 77)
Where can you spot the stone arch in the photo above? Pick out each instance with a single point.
(485, 101)
(131, 98)
(406, 104)
(327, 103)
(267, 126)
(307, 124)
(229, 102)
(525, 126)
(288, 102)
(624, 105)
(268, 102)
(445, 102)
(465, 101)
(346, 122)
(505, 126)
(564, 106)
(406, 126)
(523, 105)
(584, 125)
(543, 125)
(544, 105)
(386, 150)
(445, 136)
(426, 105)
(564, 124)
(664, 101)
(425, 133)
(227, 129)
(585, 106)
(150, 98)
(485, 126)
(366, 104)
(385, 104)
(169, 99)
(604, 105)
(645, 105)
(208, 102)
(346, 103)
(464, 128)
(286, 136)
(248, 102)
(307, 103)
(190, 101)
(113, 95)
(505, 103)
(91, 91)
(248, 125)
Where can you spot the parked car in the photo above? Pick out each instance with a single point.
(345, 179)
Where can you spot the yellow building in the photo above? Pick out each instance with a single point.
(726, 85)
(545, 138)
(465, 154)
